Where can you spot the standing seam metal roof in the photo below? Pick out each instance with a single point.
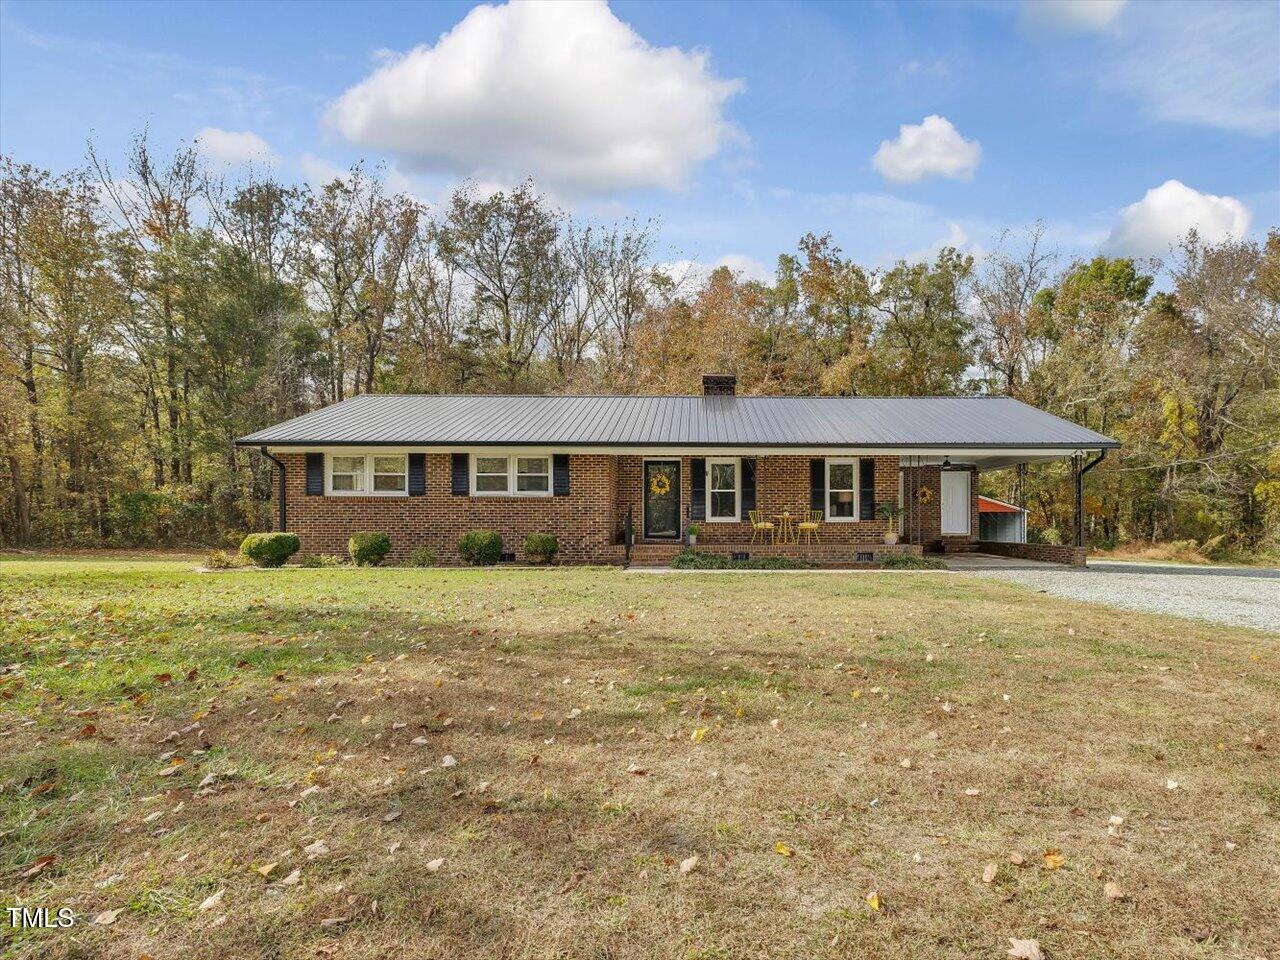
(679, 421)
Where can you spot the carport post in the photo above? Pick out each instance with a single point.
(1079, 473)
(280, 489)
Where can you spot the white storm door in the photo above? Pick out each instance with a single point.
(955, 502)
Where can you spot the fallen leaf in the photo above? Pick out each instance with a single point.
(448, 761)
(688, 865)
(1111, 890)
(317, 849)
(107, 917)
(989, 872)
(1017, 859)
(433, 866)
(38, 865)
(782, 850)
(292, 879)
(212, 900)
(391, 817)
(266, 868)
(1025, 949)
(873, 901)
(1053, 859)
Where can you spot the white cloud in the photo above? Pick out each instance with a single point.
(1070, 16)
(564, 92)
(1211, 64)
(1165, 214)
(318, 171)
(691, 274)
(230, 146)
(932, 147)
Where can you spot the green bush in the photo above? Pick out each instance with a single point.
(269, 549)
(541, 547)
(313, 560)
(221, 560)
(368, 548)
(702, 560)
(422, 557)
(480, 547)
(907, 561)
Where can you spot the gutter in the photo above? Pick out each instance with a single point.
(280, 496)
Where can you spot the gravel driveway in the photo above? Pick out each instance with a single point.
(1241, 596)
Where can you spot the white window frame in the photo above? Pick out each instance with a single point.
(856, 463)
(737, 490)
(513, 457)
(366, 476)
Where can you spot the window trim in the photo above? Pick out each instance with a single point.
(367, 475)
(856, 463)
(737, 490)
(512, 457)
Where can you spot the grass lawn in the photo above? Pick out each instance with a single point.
(516, 764)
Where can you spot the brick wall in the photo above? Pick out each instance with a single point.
(923, 521)
(782, 483)
(1048, 552)
(586, 522)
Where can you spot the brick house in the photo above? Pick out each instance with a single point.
(625, 478)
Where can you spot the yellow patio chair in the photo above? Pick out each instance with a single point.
(810, 529)
(760, 528)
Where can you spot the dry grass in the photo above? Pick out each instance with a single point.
(734, 695)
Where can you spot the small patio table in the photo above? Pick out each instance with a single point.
(786, 527)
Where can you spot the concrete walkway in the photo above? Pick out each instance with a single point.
(1240, 596)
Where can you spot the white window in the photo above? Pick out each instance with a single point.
(842, 489)
(390, 474)
(368, 474)
(346, 474)
(722, 489)
(511, 475)
(492, 475)
(533, 474)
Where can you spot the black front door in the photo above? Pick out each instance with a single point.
(662, 499)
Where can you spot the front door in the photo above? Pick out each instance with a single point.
(955, 502)
(662, 499)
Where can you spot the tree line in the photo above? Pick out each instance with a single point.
(151, 314)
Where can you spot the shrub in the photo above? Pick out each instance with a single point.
(702, 560)
(422, 557)
(480, 547)
(314, 560)
(907, 561)
(699, 560)
(269, 549)
(368, 548)
(541, 547)
(222, 560)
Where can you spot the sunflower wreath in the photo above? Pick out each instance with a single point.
(924, 495)
(660, 485)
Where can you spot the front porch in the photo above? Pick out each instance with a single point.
(832, 555)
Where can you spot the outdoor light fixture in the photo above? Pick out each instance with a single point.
(946, 462)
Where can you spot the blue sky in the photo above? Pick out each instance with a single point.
(896, 127)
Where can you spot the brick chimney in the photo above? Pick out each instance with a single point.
(719, 385)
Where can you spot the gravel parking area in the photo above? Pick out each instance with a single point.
(1241, 596)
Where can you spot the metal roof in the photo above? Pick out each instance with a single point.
(699, 421)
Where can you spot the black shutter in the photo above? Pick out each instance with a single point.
(461, 484)
(867, 488)
(315, 474)
(748, 484)
(560, 475)
(417, 474)
(698, 488)
(818, 485)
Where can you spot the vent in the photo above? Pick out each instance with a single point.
(866, 556)
(507, 558)
(741, 555)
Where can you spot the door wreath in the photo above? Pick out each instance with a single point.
(660, 485)
(924, 495)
